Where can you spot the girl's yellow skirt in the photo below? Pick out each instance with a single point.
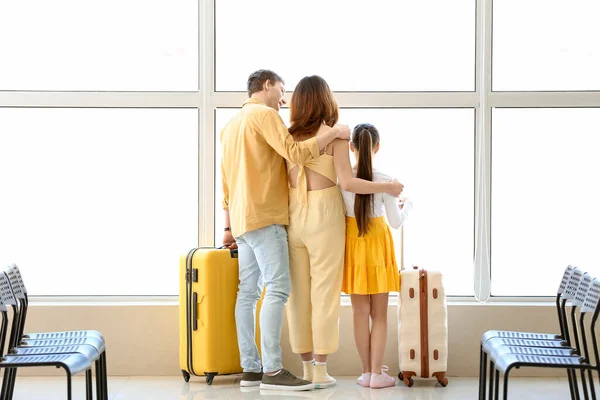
(370, 261)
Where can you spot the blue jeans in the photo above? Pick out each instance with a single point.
(262, 253)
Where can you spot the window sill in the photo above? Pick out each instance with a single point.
(133, 301)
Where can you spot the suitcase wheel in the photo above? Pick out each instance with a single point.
(443, 382)
(400, 376)
(209, 379)
(186, 376)
(409, 382)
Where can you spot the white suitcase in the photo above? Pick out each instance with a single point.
(422, 326)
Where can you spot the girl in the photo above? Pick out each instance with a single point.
(370, 270)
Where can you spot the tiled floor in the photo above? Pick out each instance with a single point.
(174, 388)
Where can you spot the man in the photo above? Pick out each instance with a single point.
(255, 198)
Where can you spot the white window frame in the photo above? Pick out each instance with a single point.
(207, 100)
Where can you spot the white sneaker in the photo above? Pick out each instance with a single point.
(382, 380)
(364, 380)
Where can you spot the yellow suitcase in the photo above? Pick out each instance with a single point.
(207, 295)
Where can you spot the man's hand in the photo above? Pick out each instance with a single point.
(342, 131)
(395, 188)
(229, 241)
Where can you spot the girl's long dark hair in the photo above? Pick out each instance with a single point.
(364, 138)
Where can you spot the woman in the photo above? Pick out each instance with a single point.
(316, 231)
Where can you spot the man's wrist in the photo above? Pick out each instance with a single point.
(227, 228)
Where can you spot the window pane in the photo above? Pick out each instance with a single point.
(546, 45)
(545, 212)
(98, 201)
(125, 45)
(381, 45)
(431, 153)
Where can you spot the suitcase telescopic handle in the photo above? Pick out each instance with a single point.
(195, 311)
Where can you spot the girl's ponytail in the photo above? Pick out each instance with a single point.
(364, 137)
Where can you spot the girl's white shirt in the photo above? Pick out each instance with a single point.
(384, 204)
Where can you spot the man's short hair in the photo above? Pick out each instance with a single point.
(257, 79)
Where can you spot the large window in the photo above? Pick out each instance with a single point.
(544, 197)
(98, 201)
(110, 113)
(379, 45)
(546, 45)
(122, 45)
(543, 143)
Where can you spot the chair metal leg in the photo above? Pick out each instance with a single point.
(492, 368)
(104, 375)
(69, 391)
(11, 383)
(6, 383)
(592, 388)
(505, 394)
(571, 377)
(4, 393)
(584, 385)
(575, 385)
(482, 373)
(88, 385)
(497, 387)
(99, 394)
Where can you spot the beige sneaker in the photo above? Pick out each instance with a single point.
(308, 371)
(321, 378)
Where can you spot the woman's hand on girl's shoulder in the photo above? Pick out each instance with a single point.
(343, 132)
